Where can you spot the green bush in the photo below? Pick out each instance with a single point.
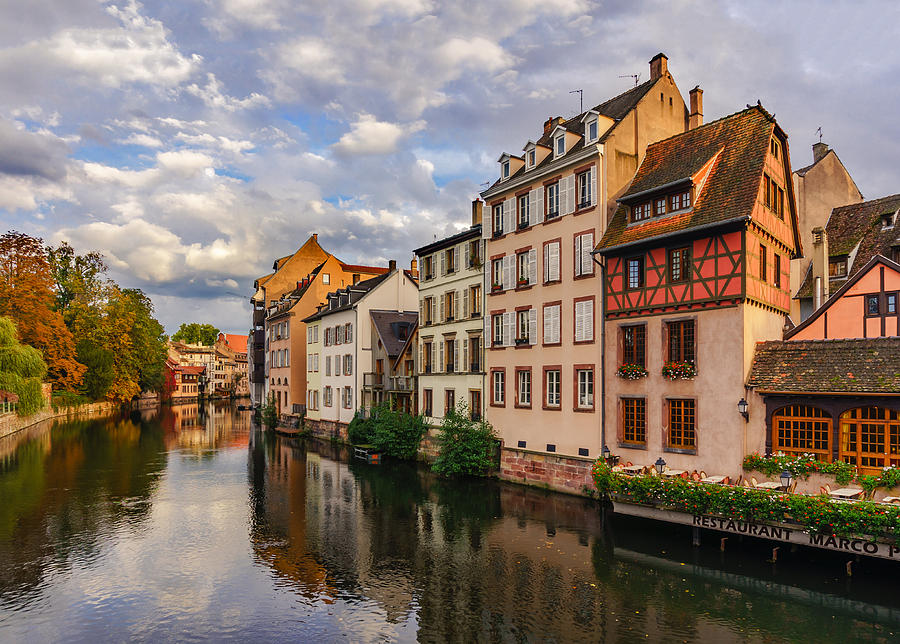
(359, 431)
(465, 445)
(31, 398)
(21, 369)
(68, 399)
(800, 466)
(270, 412)
(396, 433)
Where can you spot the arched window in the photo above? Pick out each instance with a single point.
(870, 437)
(802, 429)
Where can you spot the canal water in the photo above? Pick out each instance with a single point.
(189, 523)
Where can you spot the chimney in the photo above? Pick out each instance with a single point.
(820, 266)
(696, 117)
(551, 123)
(414, 268)
(658, 66)
(819, 150)
(392, 265)
(477, 211)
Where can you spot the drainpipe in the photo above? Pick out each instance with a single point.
(602, 264)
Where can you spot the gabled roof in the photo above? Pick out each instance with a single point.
(736, 145)
(834, 297)
(356, 292)
(386, 325)
(236, 342)
(858, 224)
(473, 232)
(615, 108)
(869, 366)
(359, 268)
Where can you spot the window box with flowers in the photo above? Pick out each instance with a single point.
(522, 281)
(495, 288)
(679, 370)
(630, 371)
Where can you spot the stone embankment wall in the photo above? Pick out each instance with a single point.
(12, 423)
(571, 474)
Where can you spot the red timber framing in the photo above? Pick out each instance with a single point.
(716, 278)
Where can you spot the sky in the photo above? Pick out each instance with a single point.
(194, 141)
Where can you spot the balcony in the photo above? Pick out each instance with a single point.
(373, 380)
(403, 383)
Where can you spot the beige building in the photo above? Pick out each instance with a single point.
(451, 323)
(543, 302)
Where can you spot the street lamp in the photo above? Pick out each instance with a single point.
(660, 465)
(742, 408)
(605, 453)
(786, 479)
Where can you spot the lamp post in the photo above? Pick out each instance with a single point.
(605, 453)
(786, 478)
(660, 465)
(742, 408)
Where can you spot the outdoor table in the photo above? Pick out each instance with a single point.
(713, 479)
(673, 473)
(632, 469)
(769, 485)
(846, 493)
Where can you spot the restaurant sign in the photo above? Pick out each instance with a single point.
(780, 532)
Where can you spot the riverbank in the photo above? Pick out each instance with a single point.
(11, 423)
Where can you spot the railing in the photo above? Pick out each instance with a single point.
(373, 379)
(403, 383)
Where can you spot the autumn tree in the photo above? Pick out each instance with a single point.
(27, 297)
(196, 333)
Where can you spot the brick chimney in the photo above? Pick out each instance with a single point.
(414, 268)
(658, 66)
(551, 123)
(392, 265)
(477, 211)
(695, 119)
(819, 150)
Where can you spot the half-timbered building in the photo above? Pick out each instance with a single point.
(697, 264)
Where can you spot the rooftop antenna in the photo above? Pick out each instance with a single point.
(636, 77)
(580, 93)
(819, 132)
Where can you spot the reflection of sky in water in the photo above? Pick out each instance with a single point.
(133, 531)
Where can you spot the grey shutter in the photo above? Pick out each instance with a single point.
(440, 365)
(532, 266)
(538, 213)
(532, 326)
(441, 319)
(456, 305)
(443, 263)
(456, 264)
(465, 362)
(456, 364)
(422, 311)
(465, 303)
(486, 325)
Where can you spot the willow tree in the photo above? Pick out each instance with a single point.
(21, 369)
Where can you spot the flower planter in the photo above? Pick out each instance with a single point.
(631, 372)
(679, 370)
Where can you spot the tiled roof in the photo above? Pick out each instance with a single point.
(741, 142)
(858, 223)
(359, 268)
(386, 324)
(236, 342)
(473, 232)
(615, 108)
(828, 366)
(357, 291)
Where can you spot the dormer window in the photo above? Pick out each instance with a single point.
(640, 212)
(532, 157)
(837, 267)
(887, 220)
(592, 130)
(560, 145)
(504, 173)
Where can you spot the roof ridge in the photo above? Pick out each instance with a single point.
(866, 202)
(723, 118)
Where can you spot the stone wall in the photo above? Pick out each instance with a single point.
(12, 423)
(571, 474)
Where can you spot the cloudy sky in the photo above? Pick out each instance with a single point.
(193, 141)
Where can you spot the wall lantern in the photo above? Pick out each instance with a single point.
(605, 453)
(660, 465)
(786, 477)
(742, 408)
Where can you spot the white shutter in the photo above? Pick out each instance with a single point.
(465, 362)
(557, 312)
(567, 196)
(592, 182)
(547, 262)
(440, 365)
(504, 217)
(443, 263)
(554, 261)
(422, 311)
(588, 320)
(442, 318)
(465, 303)
(509, 329)
(487, 320)
(587, 245)
(538, 208)
(456, 263)
(421, 357)
(456, 355)
(487, 220)
(532, 266)
(508, 266)
(509, 219)
(578, 255)
(455, 305)
(433, 357)
(548, 324)
(532, 326)
(579, 321)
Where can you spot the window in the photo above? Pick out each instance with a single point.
(584, 321)
(585, 379)
(497, 273)
(679, 265)
(475, 404)
(552, 200)
(348, 332)
(585, 189)
(339, 335)
(776, 277)
(682, 424)
(872, 305)
(634, 421)
(474, 301)
(450, 354)
(551, 324)
(348, 398)
(763, 274)
(450, 259)
(837, 267)
(449, 305)
(475, 354)
(553, 381)
(505, 169)
(522, 267)
(634, 272)
(524, 212)
(522, 335)
(584, 264)
(474, 254)
(348, 365)
(498, 220)
(634, 345)
(449, 399)
(560, 145)
(532, 156)
(426, 357)
(659, 206)
(802, 429)
(327, 397)
(890, 303)
(887, 221)
(679, 201)
(551, 262)
(327, 365)
(681, 341)
(773, 148)
(497, 329)
(774, 196)
(498, 387)
(326, 278)
(427, 310)
(592, 130)
(523, 387)
(640, 212)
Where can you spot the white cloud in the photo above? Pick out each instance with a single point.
(369, 136)
(212, 95)
(142, 139)
(184, 162)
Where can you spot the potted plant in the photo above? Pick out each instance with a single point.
(522, 281)
(496, 287)
(630, 371)
(679, 370)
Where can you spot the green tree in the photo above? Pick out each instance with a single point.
(196, 333)
(79, 279)
(21, 369)
(269, 412)
(397, 433)
(99, 363)
(466, 445)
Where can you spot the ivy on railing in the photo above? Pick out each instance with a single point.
(800, 466)
(819, 514)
